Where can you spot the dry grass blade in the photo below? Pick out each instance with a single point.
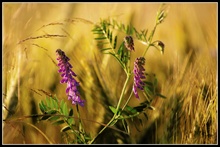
(43, 36)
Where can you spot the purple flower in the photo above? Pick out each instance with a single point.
(129, 43)
(138, 75)
(68, 77)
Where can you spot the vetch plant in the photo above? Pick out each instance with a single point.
(103, 101)
(57, 111)
(122, 54)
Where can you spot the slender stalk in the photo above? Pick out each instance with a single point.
(117, 108)
(150, 39)
(157, 22)
(80, 125)
(123, 90)
(94, 139)
(127, 101)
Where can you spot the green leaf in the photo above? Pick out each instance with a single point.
(53, 118)
(99, 32)
(42, 107)
(102, 43)
(125, 113)
(71, 112)
(131, 109)
(70, 121)
(65, 109)
(100, 38)
(88, 138)
(54, 103)
(113, 109)
(59, 122)
(48, 102)
(148, 90)
(61, 106)
(145, 34)
(140, 108)
(45, 117)
(160, 95)
(148, 83)
(97, 28)
(104, 49)
(146, 102)
(128, 30)
(51, 112)
(120, 50)
(110, 37)
(104, 38)
(103, 27)
(115, 42)
(123, 53)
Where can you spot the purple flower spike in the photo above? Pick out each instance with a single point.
(68, 77)
(138, 75)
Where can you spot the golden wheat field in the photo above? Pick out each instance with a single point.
(186, 72)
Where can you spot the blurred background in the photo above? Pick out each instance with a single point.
(187, 72)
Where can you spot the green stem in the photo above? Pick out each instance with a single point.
(115, 116)
(80, 125)
(76, 133)
(94, 139)
(150, 39)
(153, 31)
(127, 101)
(123, 90)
